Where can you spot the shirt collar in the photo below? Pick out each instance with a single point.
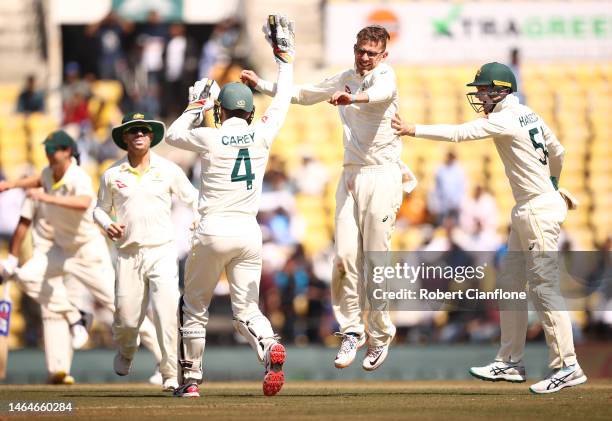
(234, 122)
(62, 181)
(509, 101)
(154, 162)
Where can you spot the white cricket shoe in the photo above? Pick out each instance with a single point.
(170, 385)
(121, 365)
(156, 378)
(563, 377)
(79, 335)
(375, 356)
(500, 371)
(351, 342)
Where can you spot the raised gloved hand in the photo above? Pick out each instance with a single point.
(280, 35)
(202, 97)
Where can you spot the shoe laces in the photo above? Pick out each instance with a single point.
(375, 351)
(348, 343)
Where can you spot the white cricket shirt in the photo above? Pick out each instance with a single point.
(529, 150)
(234, 159)
(72, 227)
(367, 134)
(143, 202)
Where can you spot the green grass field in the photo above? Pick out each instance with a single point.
(423, 400)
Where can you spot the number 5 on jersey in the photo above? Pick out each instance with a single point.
(248, 176)
(539, 145)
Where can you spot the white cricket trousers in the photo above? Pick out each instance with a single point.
(240, 257)
(89, 264)
(56, 330)
(148, 274)
(367, 200)
(532, 260)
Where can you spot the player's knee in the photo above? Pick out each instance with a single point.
(192, 332)
(340, 266)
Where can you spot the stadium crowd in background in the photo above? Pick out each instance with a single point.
(154, 63)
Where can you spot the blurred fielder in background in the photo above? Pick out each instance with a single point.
(369, 192)
(56, 330)
(139, 188)
(228, 237)
(532, 158)
(78, 251)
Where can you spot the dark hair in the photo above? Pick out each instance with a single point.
(374, 33)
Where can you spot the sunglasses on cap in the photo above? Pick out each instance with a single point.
(138, 129)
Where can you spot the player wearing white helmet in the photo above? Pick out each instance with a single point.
(228, 237)
(532, 157)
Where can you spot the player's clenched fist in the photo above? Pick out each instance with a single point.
(115, 231)
(250, 78)
(402, 128)
(341, 98)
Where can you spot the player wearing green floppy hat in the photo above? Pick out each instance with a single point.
(133, 121)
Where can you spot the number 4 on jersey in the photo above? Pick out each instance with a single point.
(248, 176)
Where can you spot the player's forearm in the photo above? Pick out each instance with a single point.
(555, 161)
(102, 218)
(19, 236)
(449, 132)
(25, 183)
(270, 88)
(179, 133)
(280, 103)
(376, 94)
(80, 203)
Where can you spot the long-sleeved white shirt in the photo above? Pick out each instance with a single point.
(143, 202)
(529, 150)
(367, 134)
(234, 159)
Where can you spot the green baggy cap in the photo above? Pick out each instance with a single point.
(236, 96)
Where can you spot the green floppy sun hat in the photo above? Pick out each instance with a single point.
(139, 120)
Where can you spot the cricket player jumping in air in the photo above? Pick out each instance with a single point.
(369, 192)
(532, 157)
(139, 188)
(228, 237)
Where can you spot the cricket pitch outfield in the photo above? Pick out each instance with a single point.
(314, 400)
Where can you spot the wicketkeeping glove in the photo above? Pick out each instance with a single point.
(280, 35)
(202, 97)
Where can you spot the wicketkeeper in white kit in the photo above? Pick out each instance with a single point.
(228, 237)
(532, 157)
(139, 189)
